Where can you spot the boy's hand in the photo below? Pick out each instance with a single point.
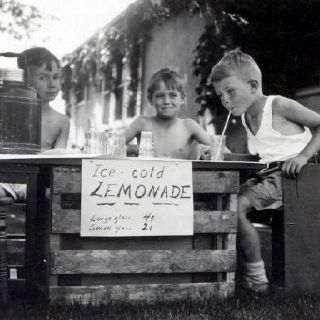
(132, 150)
(205, 152)
(293, 166)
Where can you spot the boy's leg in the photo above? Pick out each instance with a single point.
(248, 238)
(249, 244)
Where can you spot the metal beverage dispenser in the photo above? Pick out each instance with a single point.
(20, 111)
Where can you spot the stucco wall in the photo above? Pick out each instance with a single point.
(172, 44)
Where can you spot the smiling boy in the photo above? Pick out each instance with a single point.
(277, 130)
(173, 137)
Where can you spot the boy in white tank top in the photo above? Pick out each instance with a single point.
(277, 130)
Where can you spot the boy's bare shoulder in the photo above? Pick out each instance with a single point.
(189, 123)
(282, 105)
(143, 123)
(146, 119)
(56, 117)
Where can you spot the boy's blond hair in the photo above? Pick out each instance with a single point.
(236, 62)
(171, 79)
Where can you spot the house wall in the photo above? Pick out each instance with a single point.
(172, 45)
(85, 115)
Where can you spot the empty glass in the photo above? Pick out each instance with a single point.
(95, 142)
(217, 147)
(116, 143)
(146, 147)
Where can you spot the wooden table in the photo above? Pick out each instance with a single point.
(297, 237)
(25, 174)
(69, 267)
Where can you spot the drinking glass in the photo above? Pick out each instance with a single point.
(217, 147)
(146, 147)
(95, 142)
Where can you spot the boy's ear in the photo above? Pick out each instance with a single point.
(254, 84)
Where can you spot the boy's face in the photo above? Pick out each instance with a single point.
(236, 94)
(46, 82)
(166, 102)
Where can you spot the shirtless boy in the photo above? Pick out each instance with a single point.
(44, 70)
(173, 137)
(45, 78)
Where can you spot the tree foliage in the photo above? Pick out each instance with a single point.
(283, 36)
(19, 20)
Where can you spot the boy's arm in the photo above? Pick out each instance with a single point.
(134, 129)
(293, 111)
(197, 133)
(131, 132)
(62, 139)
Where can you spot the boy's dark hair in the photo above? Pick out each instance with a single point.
(236, 62)
(37, 56)
(171, 79)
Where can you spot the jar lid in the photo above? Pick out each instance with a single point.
(13, 74)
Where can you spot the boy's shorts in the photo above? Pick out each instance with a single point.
(264, 193)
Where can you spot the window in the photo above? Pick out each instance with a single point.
(121, 91)
(83, 92)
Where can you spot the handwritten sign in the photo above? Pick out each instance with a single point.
(136, 198)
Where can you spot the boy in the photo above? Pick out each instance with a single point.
(44, 70)
(277, 130)
(173, 137)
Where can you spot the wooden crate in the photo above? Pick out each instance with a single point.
(15, 217)
(296, 236)
(103, 269)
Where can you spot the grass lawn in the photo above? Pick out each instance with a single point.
(275, 305)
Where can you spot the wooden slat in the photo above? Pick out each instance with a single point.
(219, 242)
(130, 278)
(64, 220)
(3, 261)
(230, 244)
(55, 244)
(141, 261)
(16, 252)
(129, 243)
(233, 202)
(140, 293)
(68, 221)
(231, 239)
(202, 242)
(219, 237)
(215, 181)
(66, 180)
(15, 218)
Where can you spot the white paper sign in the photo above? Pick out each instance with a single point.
(136, 198)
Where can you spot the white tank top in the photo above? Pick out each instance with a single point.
(271, 145)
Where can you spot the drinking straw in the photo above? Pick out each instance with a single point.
(222, 135)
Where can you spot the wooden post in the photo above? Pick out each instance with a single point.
(31, 227)
(231, 238)
(301, 234)
(3, 261)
